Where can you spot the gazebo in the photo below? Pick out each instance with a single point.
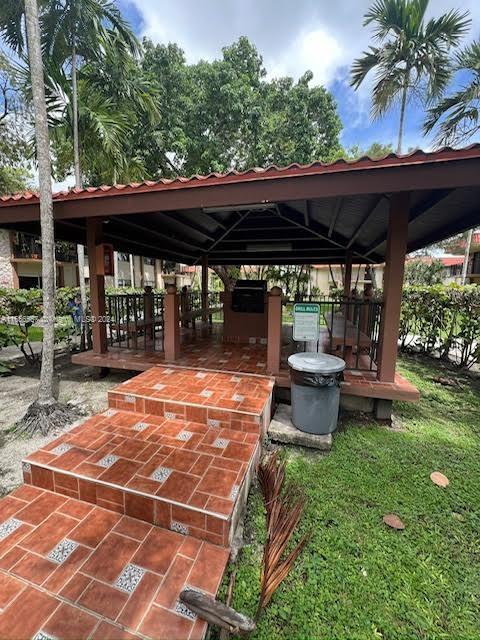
(362, 212)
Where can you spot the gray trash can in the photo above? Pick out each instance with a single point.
(315, 379)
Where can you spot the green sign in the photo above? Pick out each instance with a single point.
(306, 321)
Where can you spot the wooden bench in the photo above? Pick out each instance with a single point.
(134, 329)
(344, 334)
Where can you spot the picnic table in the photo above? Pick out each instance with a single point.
(344, 334)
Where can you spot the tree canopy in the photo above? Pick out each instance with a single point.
(225, 114)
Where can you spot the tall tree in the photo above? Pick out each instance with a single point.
(412, 56)
(74, 29)
(45, 413)
(14, 165)
(456, 117)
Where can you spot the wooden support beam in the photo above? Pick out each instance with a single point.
(97, 285)
(205, 288)
(365, 219)
(392, 287)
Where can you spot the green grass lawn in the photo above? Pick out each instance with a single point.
(35, 334)
(358, 579)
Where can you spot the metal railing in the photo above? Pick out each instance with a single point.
(349, 328)
(135, 320)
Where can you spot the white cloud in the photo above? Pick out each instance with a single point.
(316, 50)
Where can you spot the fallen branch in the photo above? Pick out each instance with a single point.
(217, 613)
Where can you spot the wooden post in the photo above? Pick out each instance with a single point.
(392, 286)
(204, 288)
(171, 326)
(97, 286)
(274, 335)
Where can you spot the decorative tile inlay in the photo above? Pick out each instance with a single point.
(107, 460)
(261, 364)
(62, 551)
(140, 426)
(167, 372)
(200, 374)
(184, 435)
(161, 474)
(206, 393)
(202, 359)
(169, 415)
(61, 448)
(263, 341)
(109, 413)
(221, 443)
(213, 423)
(234, 492)
(235, 379)
(184, 611)
(252, 340)
(179, 527)
(238, 397)
(227, 353)
(41, 635)
(223, 361)
(159, 387)
(130, 399)
(26, 467)
(130, 578)
(245, 357)
(8, 527)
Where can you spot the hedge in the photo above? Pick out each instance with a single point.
(442, 320)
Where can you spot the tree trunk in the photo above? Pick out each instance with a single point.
(402, 113)
(46, 390)
(78, 182)
(115, 270)
(132, 271)
(226, 275)
(467, 255)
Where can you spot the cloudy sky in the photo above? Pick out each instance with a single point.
(292, 36)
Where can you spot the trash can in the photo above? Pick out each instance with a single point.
(315, 379)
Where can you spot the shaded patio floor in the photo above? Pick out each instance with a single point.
(204, 348)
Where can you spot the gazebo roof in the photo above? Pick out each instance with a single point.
(297, 214)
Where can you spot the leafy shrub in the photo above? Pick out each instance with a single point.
(443, 319)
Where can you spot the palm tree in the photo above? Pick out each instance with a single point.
(45, 413)
(82, 28)
(456, 117)
(412, 56)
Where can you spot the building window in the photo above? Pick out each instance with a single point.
(150, 261)
(123, 282)
(123, 257)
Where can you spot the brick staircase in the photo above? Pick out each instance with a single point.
(120, 513)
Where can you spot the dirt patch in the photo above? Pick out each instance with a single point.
(78, 385)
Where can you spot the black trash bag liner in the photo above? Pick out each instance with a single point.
(310, 379)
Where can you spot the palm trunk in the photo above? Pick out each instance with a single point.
(402, 113)
(46, 390)
(78, 179)
(467, 256)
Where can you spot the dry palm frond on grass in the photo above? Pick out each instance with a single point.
(284, 507)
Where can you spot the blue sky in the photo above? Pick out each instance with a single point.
(292, 37)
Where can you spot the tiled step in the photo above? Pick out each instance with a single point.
(218, 399)
(69, 569)
(181, 475)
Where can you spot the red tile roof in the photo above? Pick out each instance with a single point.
(257, 173)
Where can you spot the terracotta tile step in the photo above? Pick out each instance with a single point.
(69, 569)
(216, 398)
(181, 475)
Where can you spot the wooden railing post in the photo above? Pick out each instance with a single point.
(171, 324)
(274, 334)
